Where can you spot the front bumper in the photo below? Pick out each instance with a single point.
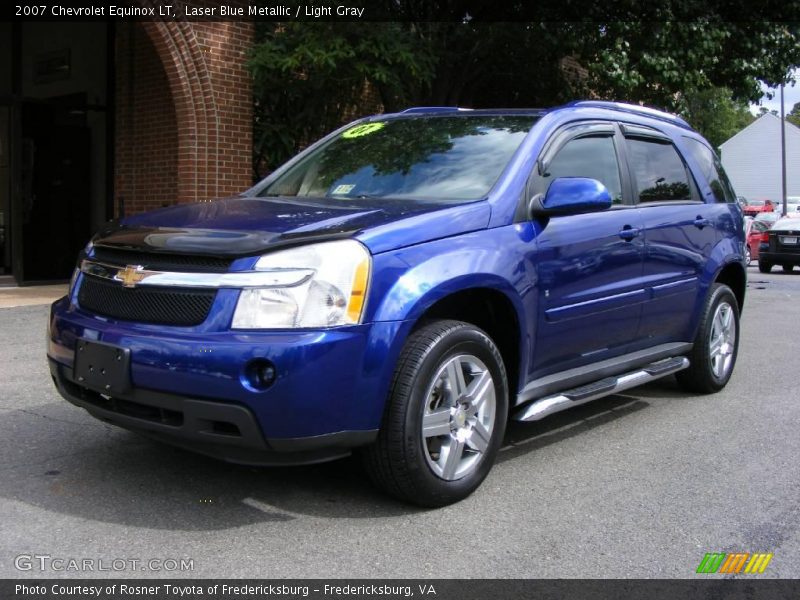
(222, 430)
(188, 386)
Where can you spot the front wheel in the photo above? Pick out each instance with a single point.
(748, 255)
(716, 345)
(445, 416)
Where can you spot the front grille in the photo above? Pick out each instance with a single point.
(137, 410)
(165, 306)
(163, 262)
(148, 412)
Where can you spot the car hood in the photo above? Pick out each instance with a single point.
(241, 226)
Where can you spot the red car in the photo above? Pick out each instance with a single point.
(754, 232)
(758, 206)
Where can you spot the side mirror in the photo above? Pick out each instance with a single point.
(571, 196)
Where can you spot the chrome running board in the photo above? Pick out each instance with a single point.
(538, 409)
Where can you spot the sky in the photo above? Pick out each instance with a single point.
(791, 96)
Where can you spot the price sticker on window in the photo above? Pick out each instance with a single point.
(362, 130)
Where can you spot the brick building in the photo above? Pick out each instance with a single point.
(99, 120)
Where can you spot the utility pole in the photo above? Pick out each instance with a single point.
(783, 158)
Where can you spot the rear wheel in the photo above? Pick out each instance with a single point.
(764, 266)
(748, 255)
(788, 268)
(445, 416)
(716, 346)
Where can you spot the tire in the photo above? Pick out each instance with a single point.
(412, 464)
(748, 256)
(788, 268)
(716, 345)
(764, 267)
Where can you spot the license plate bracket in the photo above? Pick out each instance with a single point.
(103, 367)
(790, 240)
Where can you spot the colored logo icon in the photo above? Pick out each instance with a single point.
(732, 563)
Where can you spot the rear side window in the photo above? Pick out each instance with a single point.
(593, 157)
(658, 171)
(712, 170)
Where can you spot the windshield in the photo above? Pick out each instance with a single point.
(767, 216)
(449, 159)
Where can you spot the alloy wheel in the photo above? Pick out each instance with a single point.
(722, 342)
(458, 417)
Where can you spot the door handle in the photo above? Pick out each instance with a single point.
(628, 233)
(700, 222)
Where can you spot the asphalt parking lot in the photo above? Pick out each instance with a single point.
(635, 485)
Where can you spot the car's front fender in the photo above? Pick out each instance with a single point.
(407, 282)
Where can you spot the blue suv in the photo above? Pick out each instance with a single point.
(406, 285)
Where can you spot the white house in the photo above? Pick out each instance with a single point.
(752, 159)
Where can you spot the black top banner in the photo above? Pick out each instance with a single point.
(466, 11)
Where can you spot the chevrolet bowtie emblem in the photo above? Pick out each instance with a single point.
(130, 275)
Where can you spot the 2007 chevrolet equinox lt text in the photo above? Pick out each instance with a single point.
(406, 285)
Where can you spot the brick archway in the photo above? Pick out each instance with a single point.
(195, 109)
(204, 79)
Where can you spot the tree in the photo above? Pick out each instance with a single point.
(715, 114)
(794, 115)
(309, 77)
(658, 61)
(312, 76)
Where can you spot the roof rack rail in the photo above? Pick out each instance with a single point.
(430, 109)
(634, 109)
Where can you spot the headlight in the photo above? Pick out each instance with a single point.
(73, 281)
(329, 289)
(83, 254)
